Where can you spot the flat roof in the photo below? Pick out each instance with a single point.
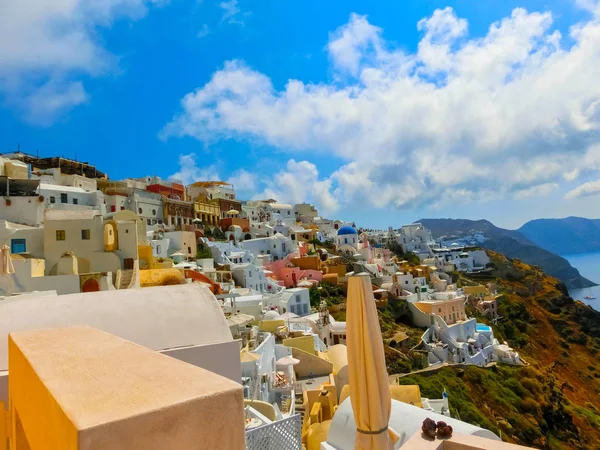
(71, 214)
(159, 318)
(98, 378)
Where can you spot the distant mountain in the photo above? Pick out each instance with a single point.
(464, 227)
(564, 236)
(511, 243)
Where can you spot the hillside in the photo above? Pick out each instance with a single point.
(564, 236)
(553, 402)
(464, 227)
(512, 244)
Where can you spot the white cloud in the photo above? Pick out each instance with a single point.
(46, 46)
(190, 172)
(300, 182)
(232, 12)
(204, 31)
(572, 175)
(53, 99)
(537, 191)
(244, 181)
(514, 112)
(585, 190)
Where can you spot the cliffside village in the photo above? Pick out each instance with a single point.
(224, 284)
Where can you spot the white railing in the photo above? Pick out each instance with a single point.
(280, 435)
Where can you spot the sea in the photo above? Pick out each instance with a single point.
(588, 265)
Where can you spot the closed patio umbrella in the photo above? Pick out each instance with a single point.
(367, 374)
(6, 265)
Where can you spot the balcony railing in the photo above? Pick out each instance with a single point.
(283, 434)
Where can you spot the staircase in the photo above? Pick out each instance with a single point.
(299, 403)
(125, 279)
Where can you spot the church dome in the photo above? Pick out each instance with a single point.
(346, 230)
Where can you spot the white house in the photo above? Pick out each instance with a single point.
(58, 195)
(416, 238)
(227, 253)
(182, 242)
(248, 275)
(278, 246)
(295, 300)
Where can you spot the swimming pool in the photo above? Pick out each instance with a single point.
(482, 327)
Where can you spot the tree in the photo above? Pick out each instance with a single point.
(203, 252)
(315, 296)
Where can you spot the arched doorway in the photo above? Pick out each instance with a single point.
(91, 285)
(111, 237)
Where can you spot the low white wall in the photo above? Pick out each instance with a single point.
(222, 358)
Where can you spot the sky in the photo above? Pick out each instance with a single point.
(379, 112)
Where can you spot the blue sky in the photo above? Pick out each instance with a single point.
(499, 131)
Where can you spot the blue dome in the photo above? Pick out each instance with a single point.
(346, 230)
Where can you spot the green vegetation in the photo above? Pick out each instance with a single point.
(203, 252)
(332, 294)
(551, 402)
(522, 404)
(410, 257)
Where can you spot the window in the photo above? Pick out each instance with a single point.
(18, 246)
(52, 199)
(64, 198)
(250, 274)
(153, 212)
(75, 201)
(288, 213)
(85, 235)
(60, 235)
(139, 210)
(158, 249)
(440, 309)
(149, 222)
(345, 240)
(298, 298)
(190, 250)
(122, 208)
(113, 208)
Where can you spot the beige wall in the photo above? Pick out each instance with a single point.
(181, 241)
(91, 250)
(29, 277)
(310, 365)
(450, 310)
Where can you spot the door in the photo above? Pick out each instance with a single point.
(18, 246)
(128, 264)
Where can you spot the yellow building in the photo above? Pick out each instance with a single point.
(207, 210)
(451, 310)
